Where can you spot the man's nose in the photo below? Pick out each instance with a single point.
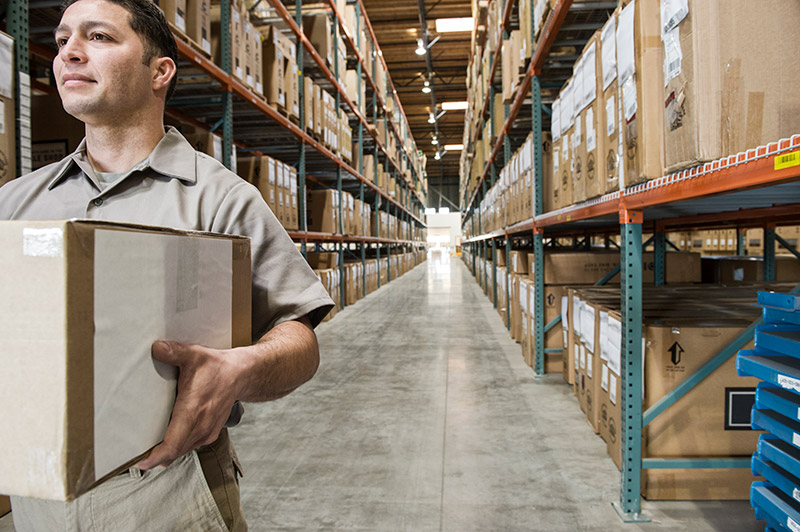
(72, 51)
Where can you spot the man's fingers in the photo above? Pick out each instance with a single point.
(172, 353)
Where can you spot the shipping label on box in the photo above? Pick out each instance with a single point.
(88, 301)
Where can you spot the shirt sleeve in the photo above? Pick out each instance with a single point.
(284, 285)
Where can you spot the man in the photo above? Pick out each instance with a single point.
(115, 69)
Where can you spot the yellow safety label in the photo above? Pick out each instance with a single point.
(787, 160)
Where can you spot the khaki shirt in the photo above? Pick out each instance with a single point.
(181, 188)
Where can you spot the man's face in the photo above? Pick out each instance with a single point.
(98, 69)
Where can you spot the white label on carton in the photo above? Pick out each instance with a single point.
(789, 383)
(629, 98)
(589, 364)
(555, 119)
(576, 356)
(188, 299)
(206, 46)
(576, 315)
(577, 87)
(604, 378)
(609, 52)
(738, 274)
(2, 119)
(796, 494)
(556, 159)
(587, 326)
(566, 109)
(611, 113)
(6, 72)
(591, 134)
(578, 133)
(672, 13)
(792, 525)
(612, 388)
(589, 75)
(672, 55)
(626, 62)
(42, 242)
(604, 330)
(180, 22)
(614, 345)
(583, 356)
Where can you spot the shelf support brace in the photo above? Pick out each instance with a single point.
(18, 27)
(769, 253)
(741, 235)
(508, 281)
(630, 504)
(660, 257)
(538, 235)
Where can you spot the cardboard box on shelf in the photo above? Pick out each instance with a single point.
(319, 115)
(591, 150)
(322, 211)
(81, 379)
(510, 63)
(198, 23)
(323, 260)
(55, 134)
(5, 505)
(291, 79)
(317, 28)
(640, 73)
(610, 129)
(723, 95)
(257, 48)
(175, 13)
(274, 63)
(581, 268)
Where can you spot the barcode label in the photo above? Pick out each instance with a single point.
(792, 525)
(787, 160)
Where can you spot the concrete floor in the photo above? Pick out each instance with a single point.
(424, 417)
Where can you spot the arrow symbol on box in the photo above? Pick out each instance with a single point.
(676, 351)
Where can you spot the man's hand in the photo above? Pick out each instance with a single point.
(207, 389)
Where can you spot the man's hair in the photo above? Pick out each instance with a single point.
(147, 21)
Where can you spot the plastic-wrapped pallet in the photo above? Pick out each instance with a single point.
(776, 361)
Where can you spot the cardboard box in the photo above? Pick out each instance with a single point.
(640, 73)
(612, 111)
(322, 261)
(323, 211)
(175, 13)
(198, 23)
(5, 505)
(724, 95)
(577, 268)
(317, 28)
(275, 63)
(88, 301)
(590, 155)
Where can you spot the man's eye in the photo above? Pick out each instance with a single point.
(61, 41)
(99, 37)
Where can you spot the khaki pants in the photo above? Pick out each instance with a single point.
(187, 495)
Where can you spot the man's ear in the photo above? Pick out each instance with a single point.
(164, 70)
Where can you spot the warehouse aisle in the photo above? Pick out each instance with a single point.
(423, 417)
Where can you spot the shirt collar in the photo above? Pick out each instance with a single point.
(173, 156)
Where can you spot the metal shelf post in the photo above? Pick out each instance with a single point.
(660, 258)
(741, 235)
(227, 95)
(494, 272)
(769, 253)
(17, 25)
(538, 236)
(301, 161)
(629, 506)
(508, 291)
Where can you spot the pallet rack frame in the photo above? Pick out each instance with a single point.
(751, 170)
(408, 196)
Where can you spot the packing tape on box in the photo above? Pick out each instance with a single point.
(47, 242)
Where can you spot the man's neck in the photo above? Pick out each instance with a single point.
(116, 149)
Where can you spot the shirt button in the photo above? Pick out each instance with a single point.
(97, 202)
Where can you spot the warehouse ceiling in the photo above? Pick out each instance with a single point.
(397, 25)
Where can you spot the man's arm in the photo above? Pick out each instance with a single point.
(210, 380)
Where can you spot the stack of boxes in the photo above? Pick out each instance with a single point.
(774, 361)
(277, 183)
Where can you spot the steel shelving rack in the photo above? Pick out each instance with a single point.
(751, 189)
(209, 97)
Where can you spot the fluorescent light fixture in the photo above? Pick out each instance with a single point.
(454, 106)
(430, 210)
(448, 25)
(420, 48)
(426, 87)
(435, 141)
(444, 210)
(453, 147)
